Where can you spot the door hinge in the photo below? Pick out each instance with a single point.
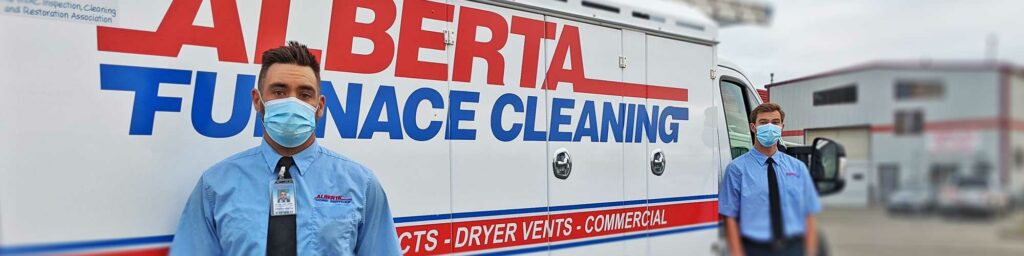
(713, 74)
(449, 37)
(622, 61)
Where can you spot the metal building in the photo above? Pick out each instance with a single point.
(913, 125)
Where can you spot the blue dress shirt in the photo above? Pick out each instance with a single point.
(341, 208)
(744, 195)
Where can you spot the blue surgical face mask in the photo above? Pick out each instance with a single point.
(288, 121)
(768, 134)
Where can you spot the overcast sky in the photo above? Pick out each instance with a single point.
(812, 36)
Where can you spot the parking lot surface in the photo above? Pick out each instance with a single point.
(872, 231)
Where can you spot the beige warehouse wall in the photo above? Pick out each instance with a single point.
(1016, 148)
(857, 142)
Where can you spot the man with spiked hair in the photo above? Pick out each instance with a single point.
(332, 205)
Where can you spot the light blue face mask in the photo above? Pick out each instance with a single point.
(288, 121)
(768, 134)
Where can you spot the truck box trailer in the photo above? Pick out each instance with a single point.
(591, 127)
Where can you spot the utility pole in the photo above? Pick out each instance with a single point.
(991, 47)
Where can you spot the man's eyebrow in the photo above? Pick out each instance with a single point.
(276, 85)
(307, 87)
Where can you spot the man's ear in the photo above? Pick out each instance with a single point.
(753, 128)
(256, 100)
(320, 110)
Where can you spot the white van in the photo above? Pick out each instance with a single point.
(562, 127)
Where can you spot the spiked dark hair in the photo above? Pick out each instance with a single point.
(293, 53)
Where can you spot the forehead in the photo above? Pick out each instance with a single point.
(769, 115)
(290, 74)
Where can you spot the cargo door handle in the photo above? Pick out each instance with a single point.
(561, 163)
(658, 162)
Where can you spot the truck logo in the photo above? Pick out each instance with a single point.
(391, 112)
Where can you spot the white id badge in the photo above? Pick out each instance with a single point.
(282, 194)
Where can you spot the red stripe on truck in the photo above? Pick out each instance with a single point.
(177, 30)
(157, 251)
(604, 87)
(477, 235)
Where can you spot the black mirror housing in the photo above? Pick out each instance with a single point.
(825, 159)
(827, 163)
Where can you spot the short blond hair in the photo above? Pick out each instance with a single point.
(766, 107)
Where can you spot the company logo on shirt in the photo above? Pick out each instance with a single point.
(333, 198)
(791, 174)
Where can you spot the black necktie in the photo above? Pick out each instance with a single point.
(773, 201)
(281, 229)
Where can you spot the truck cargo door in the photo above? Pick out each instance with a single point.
(584, 167)
(685, 189)
(636, 162)
(414, 169)
(499, 179)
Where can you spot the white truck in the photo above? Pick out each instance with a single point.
(561, 127)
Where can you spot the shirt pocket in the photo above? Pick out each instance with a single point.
(237, 227)
(336, 228)
(795, 184)
(795, 192)
(237, 235)
(754, 192)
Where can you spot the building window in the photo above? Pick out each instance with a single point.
(839, 95)
(908, 89)
(909, 122)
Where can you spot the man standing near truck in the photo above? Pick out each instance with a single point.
(768, 198)
(337, 206)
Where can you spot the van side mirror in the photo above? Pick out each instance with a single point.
(827, 163)
(825, 159)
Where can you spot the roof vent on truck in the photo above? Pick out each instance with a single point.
(672, 18)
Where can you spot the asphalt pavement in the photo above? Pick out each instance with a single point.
(873, 231)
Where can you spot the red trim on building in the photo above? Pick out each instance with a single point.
(793, 133)
(764, 95)
(1017, 125)
(948, 125)
(966, 124)
(884, 128)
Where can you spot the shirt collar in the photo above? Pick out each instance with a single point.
(761, 158)
(303, 159)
